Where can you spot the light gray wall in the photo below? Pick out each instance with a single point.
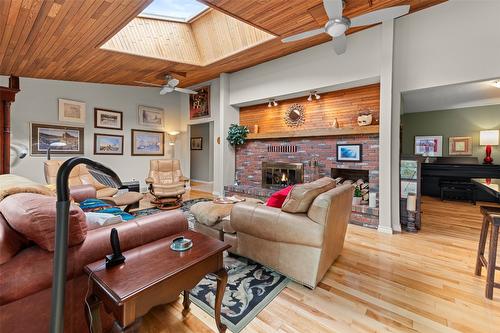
(38, 102)
(201, 159)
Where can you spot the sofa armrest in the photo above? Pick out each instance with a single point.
(275, 225)
(82, 192)
(150, 180)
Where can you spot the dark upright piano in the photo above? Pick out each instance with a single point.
(455, 173)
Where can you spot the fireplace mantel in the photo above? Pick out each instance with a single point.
(372, 129)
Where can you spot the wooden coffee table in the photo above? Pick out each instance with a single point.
(153, 274)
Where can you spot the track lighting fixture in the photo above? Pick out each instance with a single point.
(311, 93)
(317, 95)
(275, 103)
(310, 98)
(269, 104)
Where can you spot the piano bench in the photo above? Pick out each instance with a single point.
(459, 189)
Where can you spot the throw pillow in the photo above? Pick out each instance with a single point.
(34, 216)
(278, 198)
(301, 196)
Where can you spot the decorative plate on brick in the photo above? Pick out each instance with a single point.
(294, 115)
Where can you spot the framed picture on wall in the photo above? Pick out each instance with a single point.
(43, 135)
(197, 143)
(108, 119)
(148, 143)
(107, 144)
(429, 145)
(71, 111)
(199, 104)
(151, 116)
(349, 152)
(460, 145)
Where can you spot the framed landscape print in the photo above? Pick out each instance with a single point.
(71, 111)
(199, 104)
(429, 146)
(148, 143)
(349, 153)
(460, 145)
(42, 135)
(197, 143)
(107, 144)
(108, 119)
(151, 116)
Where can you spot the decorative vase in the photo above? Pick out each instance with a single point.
(256, 128)
(335, 123)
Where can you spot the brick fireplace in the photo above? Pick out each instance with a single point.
(317, 155)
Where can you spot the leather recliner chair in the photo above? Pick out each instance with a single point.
(300, 240)
(166, 183)
(78, 176)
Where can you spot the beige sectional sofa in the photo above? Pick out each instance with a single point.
(300, 240)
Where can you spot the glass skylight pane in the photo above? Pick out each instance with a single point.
(177, 9)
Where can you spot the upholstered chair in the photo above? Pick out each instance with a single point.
(78, 176)
(166, 183)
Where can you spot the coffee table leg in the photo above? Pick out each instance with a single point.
(93, 314)
(221, 288)
(186, 303)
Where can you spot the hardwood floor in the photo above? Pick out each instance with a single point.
(420, 282)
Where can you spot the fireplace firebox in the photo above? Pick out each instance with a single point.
(279, 174)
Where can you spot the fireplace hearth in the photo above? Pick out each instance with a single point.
(278, 174)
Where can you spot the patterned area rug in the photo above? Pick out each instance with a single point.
(250, 288)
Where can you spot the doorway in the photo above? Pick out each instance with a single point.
(202, 157)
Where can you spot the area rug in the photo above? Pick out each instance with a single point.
(250, 288)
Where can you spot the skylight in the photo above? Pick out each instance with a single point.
(182, 10)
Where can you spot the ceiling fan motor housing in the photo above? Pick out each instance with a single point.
(338, 26)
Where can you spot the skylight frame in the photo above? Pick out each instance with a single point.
(174, 18)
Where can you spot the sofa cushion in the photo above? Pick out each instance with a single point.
(301, 196)
(11, 242)
(34, 216)
(278, 198)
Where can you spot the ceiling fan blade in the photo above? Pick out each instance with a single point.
(166, 89)
(340, 44)
(173, 82)
(333, 8)
(186, 91)
(148, 84)
(380, 15)
(303, 35)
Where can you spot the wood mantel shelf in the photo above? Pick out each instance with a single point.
(372, 129)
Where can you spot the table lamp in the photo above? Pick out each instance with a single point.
(104, 176)
(488, 139)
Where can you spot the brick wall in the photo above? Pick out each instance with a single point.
(250, 156)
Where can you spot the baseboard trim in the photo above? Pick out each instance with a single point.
(385, 230)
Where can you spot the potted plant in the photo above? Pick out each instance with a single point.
(237, 136)
(356, 200)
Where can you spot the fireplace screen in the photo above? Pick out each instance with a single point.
(278, 174)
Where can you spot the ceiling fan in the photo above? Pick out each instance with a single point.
(338, 24)
(169, 86)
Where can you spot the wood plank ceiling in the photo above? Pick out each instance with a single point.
(61, 39)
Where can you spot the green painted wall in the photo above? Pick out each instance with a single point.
(457, 122)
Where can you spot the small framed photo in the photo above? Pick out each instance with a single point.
(349, 152)
(407, 187)
(429, 146)
(197, 143)
(71, 111)
(151, 116)
(148, 143)
(43, 135)
(460, 145)
(108, 119)
(107, 144)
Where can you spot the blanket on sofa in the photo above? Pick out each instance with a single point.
(12, 184)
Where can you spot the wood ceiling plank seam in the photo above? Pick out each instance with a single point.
(25, 56)
(68, 32)
(21, 22)
(9, 27)
(4, 14)
(235, 16)
(141, 5)
(95, 27)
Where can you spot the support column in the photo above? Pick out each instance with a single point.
(7, 96)
(385, 133)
